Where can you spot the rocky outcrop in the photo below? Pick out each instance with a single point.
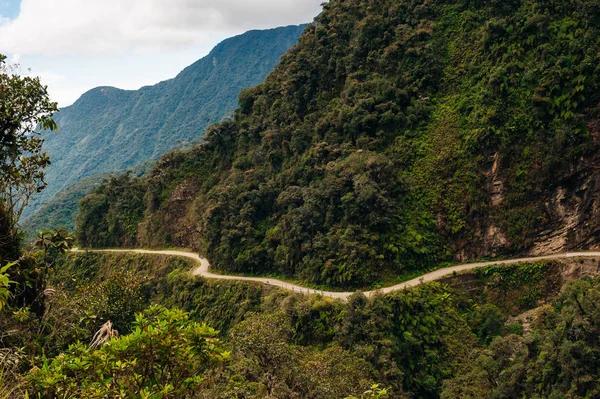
(573, 206)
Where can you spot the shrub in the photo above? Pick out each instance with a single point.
(164, 357)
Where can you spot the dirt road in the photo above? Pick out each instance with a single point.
(203, 271)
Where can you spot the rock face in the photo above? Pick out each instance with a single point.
(569, 204)
(573, 205)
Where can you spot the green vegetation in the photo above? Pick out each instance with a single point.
(114, 224)
(109, 129)
(557, 360)
(374, 147)
(61, 210)
(394, 136)
(431, 341)
(374, 393)
(4, 284)
(519, 287)
(164, 357)
(24, 108)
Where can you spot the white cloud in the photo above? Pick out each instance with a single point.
(112, 27)
(65, 96)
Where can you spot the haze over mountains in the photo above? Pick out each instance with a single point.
(110, 129)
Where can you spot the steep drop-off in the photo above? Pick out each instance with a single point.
(396, 135)
(110, 129)
(461, 339)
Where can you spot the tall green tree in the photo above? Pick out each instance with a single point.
(25, 110)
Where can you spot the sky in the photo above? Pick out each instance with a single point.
(76, 45)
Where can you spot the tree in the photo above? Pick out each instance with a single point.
(51, 244)
(25, 111)
(261, 342)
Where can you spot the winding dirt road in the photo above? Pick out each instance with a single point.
(203, 271)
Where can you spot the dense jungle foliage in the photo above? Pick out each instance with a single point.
(437, 340)
(372, 150)
(61, 210)
(373, 147)
(59, 315)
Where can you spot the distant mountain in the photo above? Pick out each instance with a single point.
(110, 129)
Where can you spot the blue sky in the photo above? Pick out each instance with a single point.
(9, 8)
(76, 45)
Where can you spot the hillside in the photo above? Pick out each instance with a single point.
(62, 208)
(477, 335)
(110, 129)
(396, 135)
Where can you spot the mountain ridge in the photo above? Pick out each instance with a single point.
(111, 129)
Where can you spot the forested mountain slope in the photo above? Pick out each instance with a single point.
(110, 129)
(61, 209)
(396, 135)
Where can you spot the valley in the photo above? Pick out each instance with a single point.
(399, 200)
